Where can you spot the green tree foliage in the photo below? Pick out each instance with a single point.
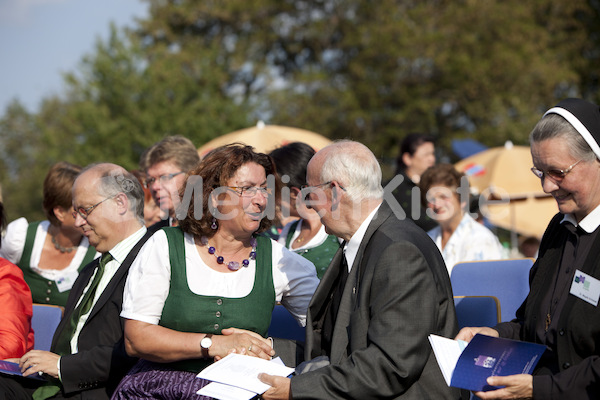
(367, 70)
(125, 99)
(374, 71)
(20, 163)
(116, 105)
(482, 69)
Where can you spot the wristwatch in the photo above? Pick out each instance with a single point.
(205, 344)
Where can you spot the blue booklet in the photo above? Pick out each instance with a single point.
(467, 366)
(11, 368)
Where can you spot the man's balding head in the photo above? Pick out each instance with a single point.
(109, 202)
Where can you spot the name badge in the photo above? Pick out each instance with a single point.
(66, 282)
(586, 287)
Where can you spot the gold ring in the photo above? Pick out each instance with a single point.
(250, 348)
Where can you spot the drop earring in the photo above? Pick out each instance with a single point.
(214, 226)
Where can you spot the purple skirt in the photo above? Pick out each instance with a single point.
(149, 380)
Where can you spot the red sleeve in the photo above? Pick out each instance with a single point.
(16, 335)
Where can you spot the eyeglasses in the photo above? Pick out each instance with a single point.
(161, 179)
(251, 191)
(557, 175)
(308, 189)
(85, 212)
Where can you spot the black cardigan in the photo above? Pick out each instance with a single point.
(577, 347)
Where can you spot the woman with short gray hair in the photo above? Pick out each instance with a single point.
(561, 310)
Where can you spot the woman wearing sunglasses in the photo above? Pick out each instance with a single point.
(561, 310)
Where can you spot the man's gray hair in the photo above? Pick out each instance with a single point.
(115, 180)
(355, 167)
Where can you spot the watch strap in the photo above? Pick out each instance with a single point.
(205, 349)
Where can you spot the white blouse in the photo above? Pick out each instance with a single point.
(315, 241)
(294, 278)
(14, 242)
(471, 241)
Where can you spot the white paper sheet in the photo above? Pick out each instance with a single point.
(242, 372)
(447, 351)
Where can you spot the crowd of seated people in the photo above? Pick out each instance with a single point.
(150, 299)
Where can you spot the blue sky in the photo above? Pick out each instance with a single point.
(42, 39)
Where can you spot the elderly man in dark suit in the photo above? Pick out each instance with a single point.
(384, 292)
(87, 358)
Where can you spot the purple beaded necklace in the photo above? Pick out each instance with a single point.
(232, 265)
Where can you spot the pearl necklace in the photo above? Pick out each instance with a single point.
(60, 248)
(232, 265)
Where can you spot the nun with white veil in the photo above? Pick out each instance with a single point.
(561, 310)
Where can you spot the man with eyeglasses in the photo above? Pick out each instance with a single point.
(385, 291)
(166, 164)
(87, 357)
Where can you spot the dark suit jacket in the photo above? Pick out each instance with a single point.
(397, 293)
(96, 370)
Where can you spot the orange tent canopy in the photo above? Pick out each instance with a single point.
(504, 172)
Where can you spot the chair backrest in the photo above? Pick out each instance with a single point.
(507, 280)
(44, 322)
(284, 325)
(477, 311)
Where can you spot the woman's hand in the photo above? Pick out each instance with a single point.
(516, 387)
(468, 333)
(160, 344)
(241, 341)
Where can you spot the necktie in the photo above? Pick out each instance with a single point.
(341, 283)
(334, 305)
(63, 343)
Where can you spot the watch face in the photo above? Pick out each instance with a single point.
(206, 342)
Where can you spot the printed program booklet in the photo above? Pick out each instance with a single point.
(468, 365)
(11, 368)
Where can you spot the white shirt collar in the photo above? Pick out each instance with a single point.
(351, 247)
(122, 249)
(589, 223)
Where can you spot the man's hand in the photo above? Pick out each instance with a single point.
(517, 387)
(39, 361)
(280, 387)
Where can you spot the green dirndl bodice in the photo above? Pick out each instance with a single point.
(186, 311)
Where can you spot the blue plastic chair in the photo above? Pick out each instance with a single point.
(44, 322)
(507, 280)
(284, 325)
(477, 311)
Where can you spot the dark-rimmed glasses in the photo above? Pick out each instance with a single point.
(161, 179)
(85, 212)
(251, 191)
(557, 175)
